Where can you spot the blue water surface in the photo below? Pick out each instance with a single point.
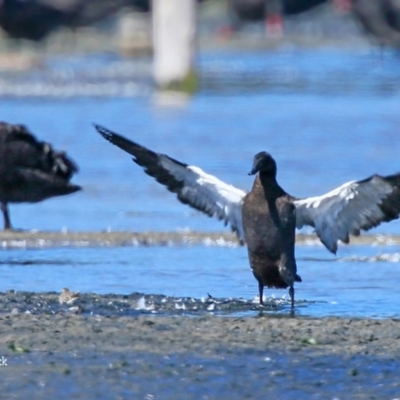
(327, 116)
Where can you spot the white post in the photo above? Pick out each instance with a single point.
(174, 44)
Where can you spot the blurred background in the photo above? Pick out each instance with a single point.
(314, 82)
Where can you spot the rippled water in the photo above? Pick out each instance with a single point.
(328, 116)
(355, 284)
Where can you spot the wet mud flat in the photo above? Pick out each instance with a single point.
(57, 351)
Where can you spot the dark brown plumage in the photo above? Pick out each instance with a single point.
(30, 170)
(269, 222)
(35, 19)
(146, 158)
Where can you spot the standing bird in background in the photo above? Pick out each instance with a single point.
(265, 218)
(30, 171)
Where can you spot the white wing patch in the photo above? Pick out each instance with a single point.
(208, 194)
(345, 210)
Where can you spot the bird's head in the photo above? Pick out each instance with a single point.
(263, 162)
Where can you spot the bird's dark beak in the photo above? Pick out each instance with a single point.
(255, 168)
(253, 171)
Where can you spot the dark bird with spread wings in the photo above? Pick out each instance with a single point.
(30, 170)
(265, 218)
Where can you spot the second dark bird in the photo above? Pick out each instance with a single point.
(30, 170)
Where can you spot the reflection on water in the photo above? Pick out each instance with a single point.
(328, 116)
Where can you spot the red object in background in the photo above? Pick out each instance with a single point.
(343, 5)
(274, 25)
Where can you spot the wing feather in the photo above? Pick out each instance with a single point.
(191, 184)
(345, 211)
(350, 208)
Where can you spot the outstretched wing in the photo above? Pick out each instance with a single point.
(350, 208)
(192, 185)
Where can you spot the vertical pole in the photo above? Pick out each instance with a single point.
(174, 43)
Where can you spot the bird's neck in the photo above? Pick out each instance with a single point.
(269, 186)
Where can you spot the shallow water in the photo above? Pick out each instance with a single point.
(327, 115)
(363, 282)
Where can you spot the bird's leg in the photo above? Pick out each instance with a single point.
(291, 294)
(6, 215)
(261, 291)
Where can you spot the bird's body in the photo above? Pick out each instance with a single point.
(30, 170)
(266, 218)
(68, 297)
(269, 222)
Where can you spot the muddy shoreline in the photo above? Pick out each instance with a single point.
(198, 335)
(62, 352)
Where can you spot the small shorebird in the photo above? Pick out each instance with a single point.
(30, 170)
(68, 297)
(265, 218)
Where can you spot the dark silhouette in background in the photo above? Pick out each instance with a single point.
(258, 10)
(270, 11)
(36, 19)
(380, 18)
(30, 171)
